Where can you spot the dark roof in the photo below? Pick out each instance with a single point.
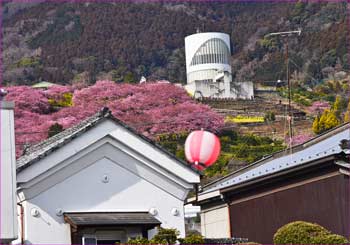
(44, 148)
(111, 218)
(331, 159)
(301, 153)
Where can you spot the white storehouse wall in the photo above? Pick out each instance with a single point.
(85, 192)
(71, 180)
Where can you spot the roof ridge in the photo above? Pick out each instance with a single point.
(102, 113)
(44, 147)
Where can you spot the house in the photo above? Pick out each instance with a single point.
(8, 212)
(309, 182)
(43, 85)
(100, 182)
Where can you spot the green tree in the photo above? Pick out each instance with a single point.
(54, 129)
(129, 77)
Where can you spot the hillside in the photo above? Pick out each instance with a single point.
(77, 44)
(69, 42)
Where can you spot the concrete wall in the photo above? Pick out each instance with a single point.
(8, 210)
(215, 223)
(246, 90)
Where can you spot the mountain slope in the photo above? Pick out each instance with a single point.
(122, 41)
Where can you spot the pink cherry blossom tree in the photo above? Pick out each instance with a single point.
(152, 109)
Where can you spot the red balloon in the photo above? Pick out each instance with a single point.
(202, 148)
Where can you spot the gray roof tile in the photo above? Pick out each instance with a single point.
(111, 218)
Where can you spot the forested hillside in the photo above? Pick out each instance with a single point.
(77, 44)
(68, 42)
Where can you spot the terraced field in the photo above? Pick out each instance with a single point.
(240, 115)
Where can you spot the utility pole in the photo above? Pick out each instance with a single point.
(287, 34)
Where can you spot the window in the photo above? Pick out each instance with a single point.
(104, 237)
(212, 51)
(89, 239)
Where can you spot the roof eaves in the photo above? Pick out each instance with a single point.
(277, 154)
(281, 172)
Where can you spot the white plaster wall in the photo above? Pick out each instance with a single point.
(85, 191)
(8, 175)
(215, 223)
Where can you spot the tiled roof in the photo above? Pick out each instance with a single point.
(111, 218)
(42, 149)
(319, 147)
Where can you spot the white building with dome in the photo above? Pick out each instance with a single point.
(209, 72)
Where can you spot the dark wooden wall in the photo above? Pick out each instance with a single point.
(325, 202)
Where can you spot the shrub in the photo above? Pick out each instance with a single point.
(269, 116)
(54, 129)
(192, 239)
(138, 240)
(331, 239)
(226, 241)
(165, 236)
(300, 232)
